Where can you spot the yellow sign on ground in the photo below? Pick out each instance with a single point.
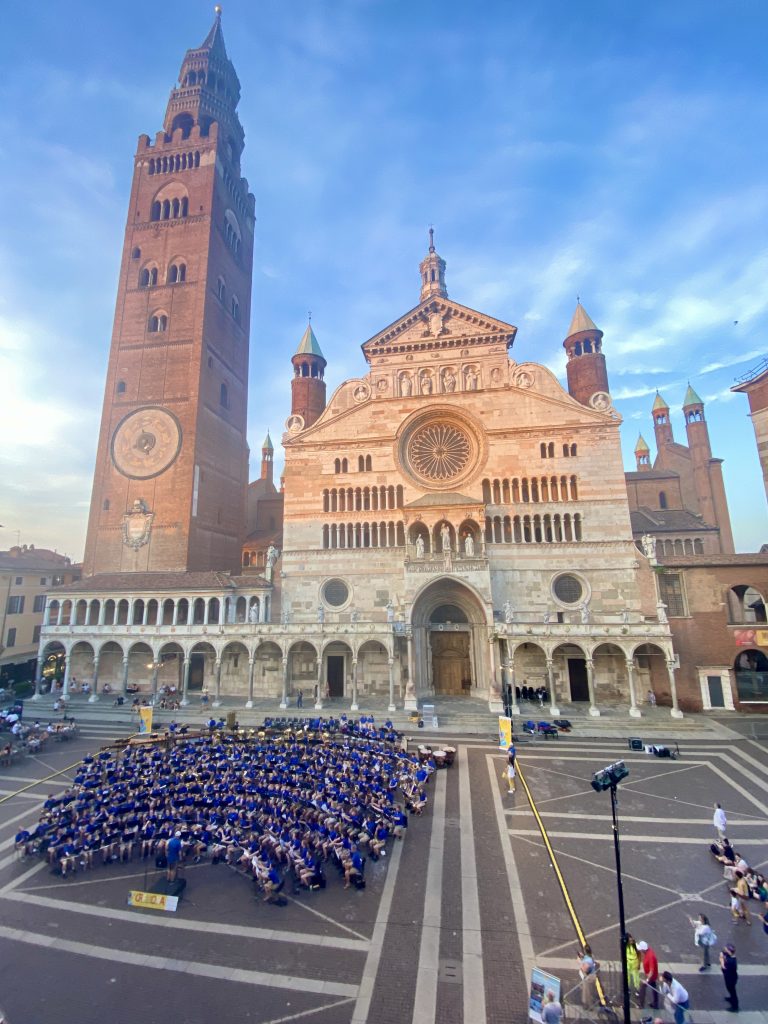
(152, 900)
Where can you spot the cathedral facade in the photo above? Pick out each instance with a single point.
(451, 521)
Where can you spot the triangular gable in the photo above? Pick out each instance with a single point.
(439, 320)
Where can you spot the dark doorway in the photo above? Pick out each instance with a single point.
(196, 671)
(335, 675)
(577, 676)
(715, 684)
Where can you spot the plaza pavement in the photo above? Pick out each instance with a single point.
(451, 921)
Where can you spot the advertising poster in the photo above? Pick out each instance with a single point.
(152, 900)
(145, 720)
(541, 983)
(505, 732)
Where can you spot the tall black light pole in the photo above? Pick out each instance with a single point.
(609, 778)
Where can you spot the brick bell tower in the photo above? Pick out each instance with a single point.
(171, 467)
(585, 368)
(308, 386)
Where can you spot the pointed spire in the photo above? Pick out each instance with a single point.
(691, 398)
(267, 445)
(308, 346)
(641, 445)
(214, 41)
(581, 321)
(659, 403)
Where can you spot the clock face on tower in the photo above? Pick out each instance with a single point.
(146, 442)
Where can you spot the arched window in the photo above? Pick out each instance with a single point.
(573, 451)
(121, 387)
(105, 506)
(224, 396)
(745, 605)
(171, 201)
(232, 232)
(566, 450)
(177, 273)
(543, 449)
(361, 464)
(344, 466)
(662, 499)
(235, 310)
(221, 289)
(183, 121)
(368, 463)
(551, 450)
(337, 465)
(158, 323)
(136, 253)
(156, 210)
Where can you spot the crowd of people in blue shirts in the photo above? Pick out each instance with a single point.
(278, 806)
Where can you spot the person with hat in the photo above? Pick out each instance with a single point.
(730, 968)
(650, 968)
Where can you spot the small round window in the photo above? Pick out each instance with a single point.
(568, 589)
(335, 593)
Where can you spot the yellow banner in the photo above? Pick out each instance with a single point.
(152, 900)
(505, 732)
(145, 719)
(761, 635)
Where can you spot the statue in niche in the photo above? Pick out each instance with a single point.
(320, 613)
(445, 537)
(471, 377)
(390, 611)
(253, 614)
(625, 615)
(426, 382)
(584, 611)
(661, 612)
(449, 380)
(469, 545)
(406, 387)
(495, 375)
(547, 617)
(420, 546)
(509, 612)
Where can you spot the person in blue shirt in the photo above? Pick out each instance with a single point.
(173, 855)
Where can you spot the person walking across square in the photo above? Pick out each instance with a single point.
(720, 822)
(704, 938)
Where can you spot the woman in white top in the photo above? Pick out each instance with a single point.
(704, 938)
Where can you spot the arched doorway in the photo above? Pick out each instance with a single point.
(450, 648)
(751, 670)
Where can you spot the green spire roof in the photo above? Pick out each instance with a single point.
(642, 444)
(308, 345)
(659, 403)
(268, 443)
(691, 398)
(581, 321)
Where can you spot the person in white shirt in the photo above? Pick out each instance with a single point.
(720, 822)
(676, 996)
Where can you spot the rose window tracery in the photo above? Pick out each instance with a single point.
(439, 451)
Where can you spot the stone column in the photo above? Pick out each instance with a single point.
(38, 672)
(102, 613)
(675, 712)
(391, 663)
(125, 675)
(67, 660)
(251, 670)
(511, 670)
(262, 609)
(553, 708)
(634, 710)
(155, 670)
(284, 698)
(185, 683)
(217, 694)
(222, 611)
(319, 696)
(593, 708)
(495, 702)
(354, 706)
(411, 702)
(95, 681)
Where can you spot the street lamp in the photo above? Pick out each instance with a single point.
(609, 778)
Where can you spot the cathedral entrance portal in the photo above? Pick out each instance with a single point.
(451, 664)
(450, 642)
(577, 677)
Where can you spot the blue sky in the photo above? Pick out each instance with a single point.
(614, 151)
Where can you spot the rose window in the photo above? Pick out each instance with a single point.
(439, 451)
